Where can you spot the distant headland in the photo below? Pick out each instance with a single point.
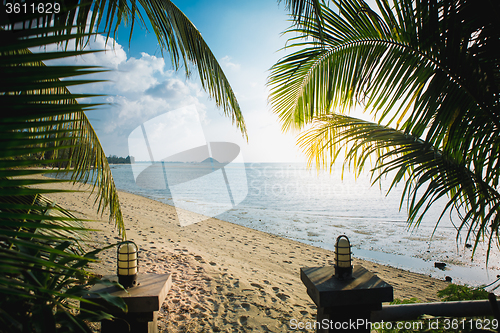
(210, 160)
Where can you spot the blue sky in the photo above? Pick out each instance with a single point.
(245, 36)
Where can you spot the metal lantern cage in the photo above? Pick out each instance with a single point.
(343, 258)
(127, 263)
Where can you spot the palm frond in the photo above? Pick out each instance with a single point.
(46, 126)
(41, 256)
(303, 11)
(429, 174)
(427, 70)
(386, 65)
(178, 35)
(175, 33)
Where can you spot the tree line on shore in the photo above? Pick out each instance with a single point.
(113, 159)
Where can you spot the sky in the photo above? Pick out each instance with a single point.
(245, 37)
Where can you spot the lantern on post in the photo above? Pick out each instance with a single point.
(127, 264)
(343, 261)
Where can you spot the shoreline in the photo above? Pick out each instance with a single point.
(393, 246)
(460, 272)
(225, 277)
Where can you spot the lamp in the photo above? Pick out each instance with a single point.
(343, 261)
(127, 264)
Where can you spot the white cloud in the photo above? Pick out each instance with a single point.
(138, 75)
(138, 89)
(181, 128)
(128, 112)
(228, 64)
(169, 89)
(110, 56)
(125, 75)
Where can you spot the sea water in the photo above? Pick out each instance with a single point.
(311, 207)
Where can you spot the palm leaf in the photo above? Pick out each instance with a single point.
(40, 242)
(425, 69)
(47, 125)
(429, 174)
(303, 11)
(175, 33)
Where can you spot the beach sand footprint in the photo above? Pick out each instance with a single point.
(243, 320)
(199, 259)
(281, 296)
(245, 306)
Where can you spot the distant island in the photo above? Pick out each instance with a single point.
(210, 160)
(113, 159)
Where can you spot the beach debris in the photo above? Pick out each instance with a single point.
(440, 265)
(448, 279)
(468, 245)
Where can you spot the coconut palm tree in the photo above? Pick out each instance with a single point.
(40, 242)
(42, 124)
(427, 75)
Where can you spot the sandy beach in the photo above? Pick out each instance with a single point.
(226, 278)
